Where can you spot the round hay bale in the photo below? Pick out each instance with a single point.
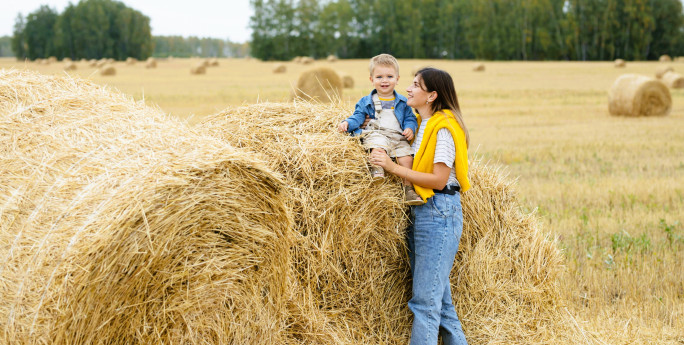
(620, 63)
(92, 63)
(347, 80)
(107, 70)
(660, 71)
(213, 62)
(52, 59)
(321, 84)
(120, 225)
(637, 95)
(131, 61)
(665, 58)
(70, 66)
(44, 61)
(673, 80)
(150, 63)
(110, 61)
(101, 63)
(204, 63)
(306, 60)
(66, 60)
(331, 58)
(297, 59)
(479, 67)
(350, 258)
(280, 68)
(199, 68)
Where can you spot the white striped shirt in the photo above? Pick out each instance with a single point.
(445, 151)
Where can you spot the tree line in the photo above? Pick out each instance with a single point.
(458, 29)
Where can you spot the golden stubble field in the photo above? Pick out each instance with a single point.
(609, 189)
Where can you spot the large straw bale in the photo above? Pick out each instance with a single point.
(660, 71)
(120, 225)
(280, 68)
(665, 58)
(347, 80)
(151, 62)
(199, 68)
(673, 80)
(638, 95)
(350, 262)
(321, 84)
(620, 63)
(479, 67)
(107, 70)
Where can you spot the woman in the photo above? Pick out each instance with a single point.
(439, 175)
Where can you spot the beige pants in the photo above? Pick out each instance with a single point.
(385, 132)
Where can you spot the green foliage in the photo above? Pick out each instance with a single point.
(455, 29)
(92, 29)
(6, 46)
(179, 46)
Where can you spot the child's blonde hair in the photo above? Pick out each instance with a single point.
(383, 60)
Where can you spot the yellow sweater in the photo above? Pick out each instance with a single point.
(424, 158)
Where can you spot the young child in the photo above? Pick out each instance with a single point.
(392, 122)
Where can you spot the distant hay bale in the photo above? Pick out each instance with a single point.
(150, 63)
(665, 58)
(213, 62)
(101, 63)
(660, 71)
(120, 225)
(673, 80)
(204, 62)
(297, 59)
(199, 68)
(52, 59)
(321, 84)
(347, 80)
(352, 279)
(92, 63)
(44, 61)
(66, 60)
(331, 58)
(70, 66)
(131, 61)
(637, 95)
(620, 63)
(306, 60)
(479, 67)
(280, 68)
(110, 61)
(107, 70)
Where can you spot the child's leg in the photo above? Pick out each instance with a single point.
(405, 161)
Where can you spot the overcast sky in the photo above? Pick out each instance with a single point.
(226, 19)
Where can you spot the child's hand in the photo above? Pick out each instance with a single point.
(343, 126)
(408, 134)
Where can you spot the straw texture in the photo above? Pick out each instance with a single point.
(119, 225)
(673, 80)
(351, 271)
(637, 95)
(321, 84)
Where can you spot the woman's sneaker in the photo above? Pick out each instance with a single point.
(411, 197)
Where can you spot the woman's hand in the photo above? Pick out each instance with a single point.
(380, 158)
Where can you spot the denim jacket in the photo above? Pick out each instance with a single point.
(365, 106)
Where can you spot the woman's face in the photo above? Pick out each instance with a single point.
(416, 95)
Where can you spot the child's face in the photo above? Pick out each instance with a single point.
(384, 79)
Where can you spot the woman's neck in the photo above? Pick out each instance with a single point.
(425, 111)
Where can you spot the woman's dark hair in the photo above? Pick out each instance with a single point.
(434, 79)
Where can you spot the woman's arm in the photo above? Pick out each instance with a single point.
(435, 180)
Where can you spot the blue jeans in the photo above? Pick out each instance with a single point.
(433, 237)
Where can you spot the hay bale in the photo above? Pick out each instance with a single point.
(673, 80)
(66, 60)
(131, 61)
(280, 68)
(665, 58)
(305, 60)
(351, 281)
(52, 59)
(120, 225)
(107, 70)
(660, 71)
(637, 95)
(70, 66)
(347, 80)
(44, 61)
(213, 62)
(297, 59)
(199, 68)
(321, 84)
(620, 63)
(479, 67)
(100, 63)
(331, 58)
(92, 63)
(150, 63)
(204, 63)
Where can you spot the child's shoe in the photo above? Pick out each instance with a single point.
(377, 172)
(411, 197)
